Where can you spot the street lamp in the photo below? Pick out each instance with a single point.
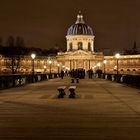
(104, 65)
(33, 55)
(50, 63)
(98, 65)
(63, 67)
(45, 68)
(117, 58)
(58, 65)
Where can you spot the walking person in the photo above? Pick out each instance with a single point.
(62, 74)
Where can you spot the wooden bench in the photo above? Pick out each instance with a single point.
(72, 91)
(61, 91)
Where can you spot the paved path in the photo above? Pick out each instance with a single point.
(102, 110)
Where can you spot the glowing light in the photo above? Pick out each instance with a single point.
(50, 61)
(104, 61)
(115, 67)
(117, 55)
(98, 64)
(33, 55)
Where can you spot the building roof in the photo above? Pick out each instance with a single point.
(80, 28)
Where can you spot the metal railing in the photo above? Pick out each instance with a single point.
(16, 80)
(131, 80)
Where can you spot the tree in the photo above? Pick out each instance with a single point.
(19, 42)
(1, 42)
(14, 53)
(10, 41)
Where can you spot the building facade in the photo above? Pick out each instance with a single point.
(80, 54)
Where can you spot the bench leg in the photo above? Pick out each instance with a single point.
(77, 80)
(72, 80)
(61, 94)
(72, 93)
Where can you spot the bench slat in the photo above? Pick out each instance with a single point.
(72, 87)
(62, 87)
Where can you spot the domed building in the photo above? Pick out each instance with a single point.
(80, 47)
(80, 36)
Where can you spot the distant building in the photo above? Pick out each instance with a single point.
(80, 54)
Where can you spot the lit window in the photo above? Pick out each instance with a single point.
(80, 46)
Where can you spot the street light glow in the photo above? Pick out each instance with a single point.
(33, 55)
(117, 55)
(98, 64)
(104, 61)
(115, 67)
(50, 61)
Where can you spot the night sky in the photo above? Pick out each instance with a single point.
(44, 23)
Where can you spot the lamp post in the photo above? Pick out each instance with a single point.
(50, 63)
(104, 65)
(117, 58)
(58, 65)
(33, 55)
(45, 68)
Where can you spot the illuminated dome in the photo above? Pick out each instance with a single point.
(80, 28)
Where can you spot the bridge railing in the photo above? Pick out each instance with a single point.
(15, 80)
(132, 80)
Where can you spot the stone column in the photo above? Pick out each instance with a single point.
(73, 63)
(70, 65)
(89, 64)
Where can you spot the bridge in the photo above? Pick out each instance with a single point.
(101, 110)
